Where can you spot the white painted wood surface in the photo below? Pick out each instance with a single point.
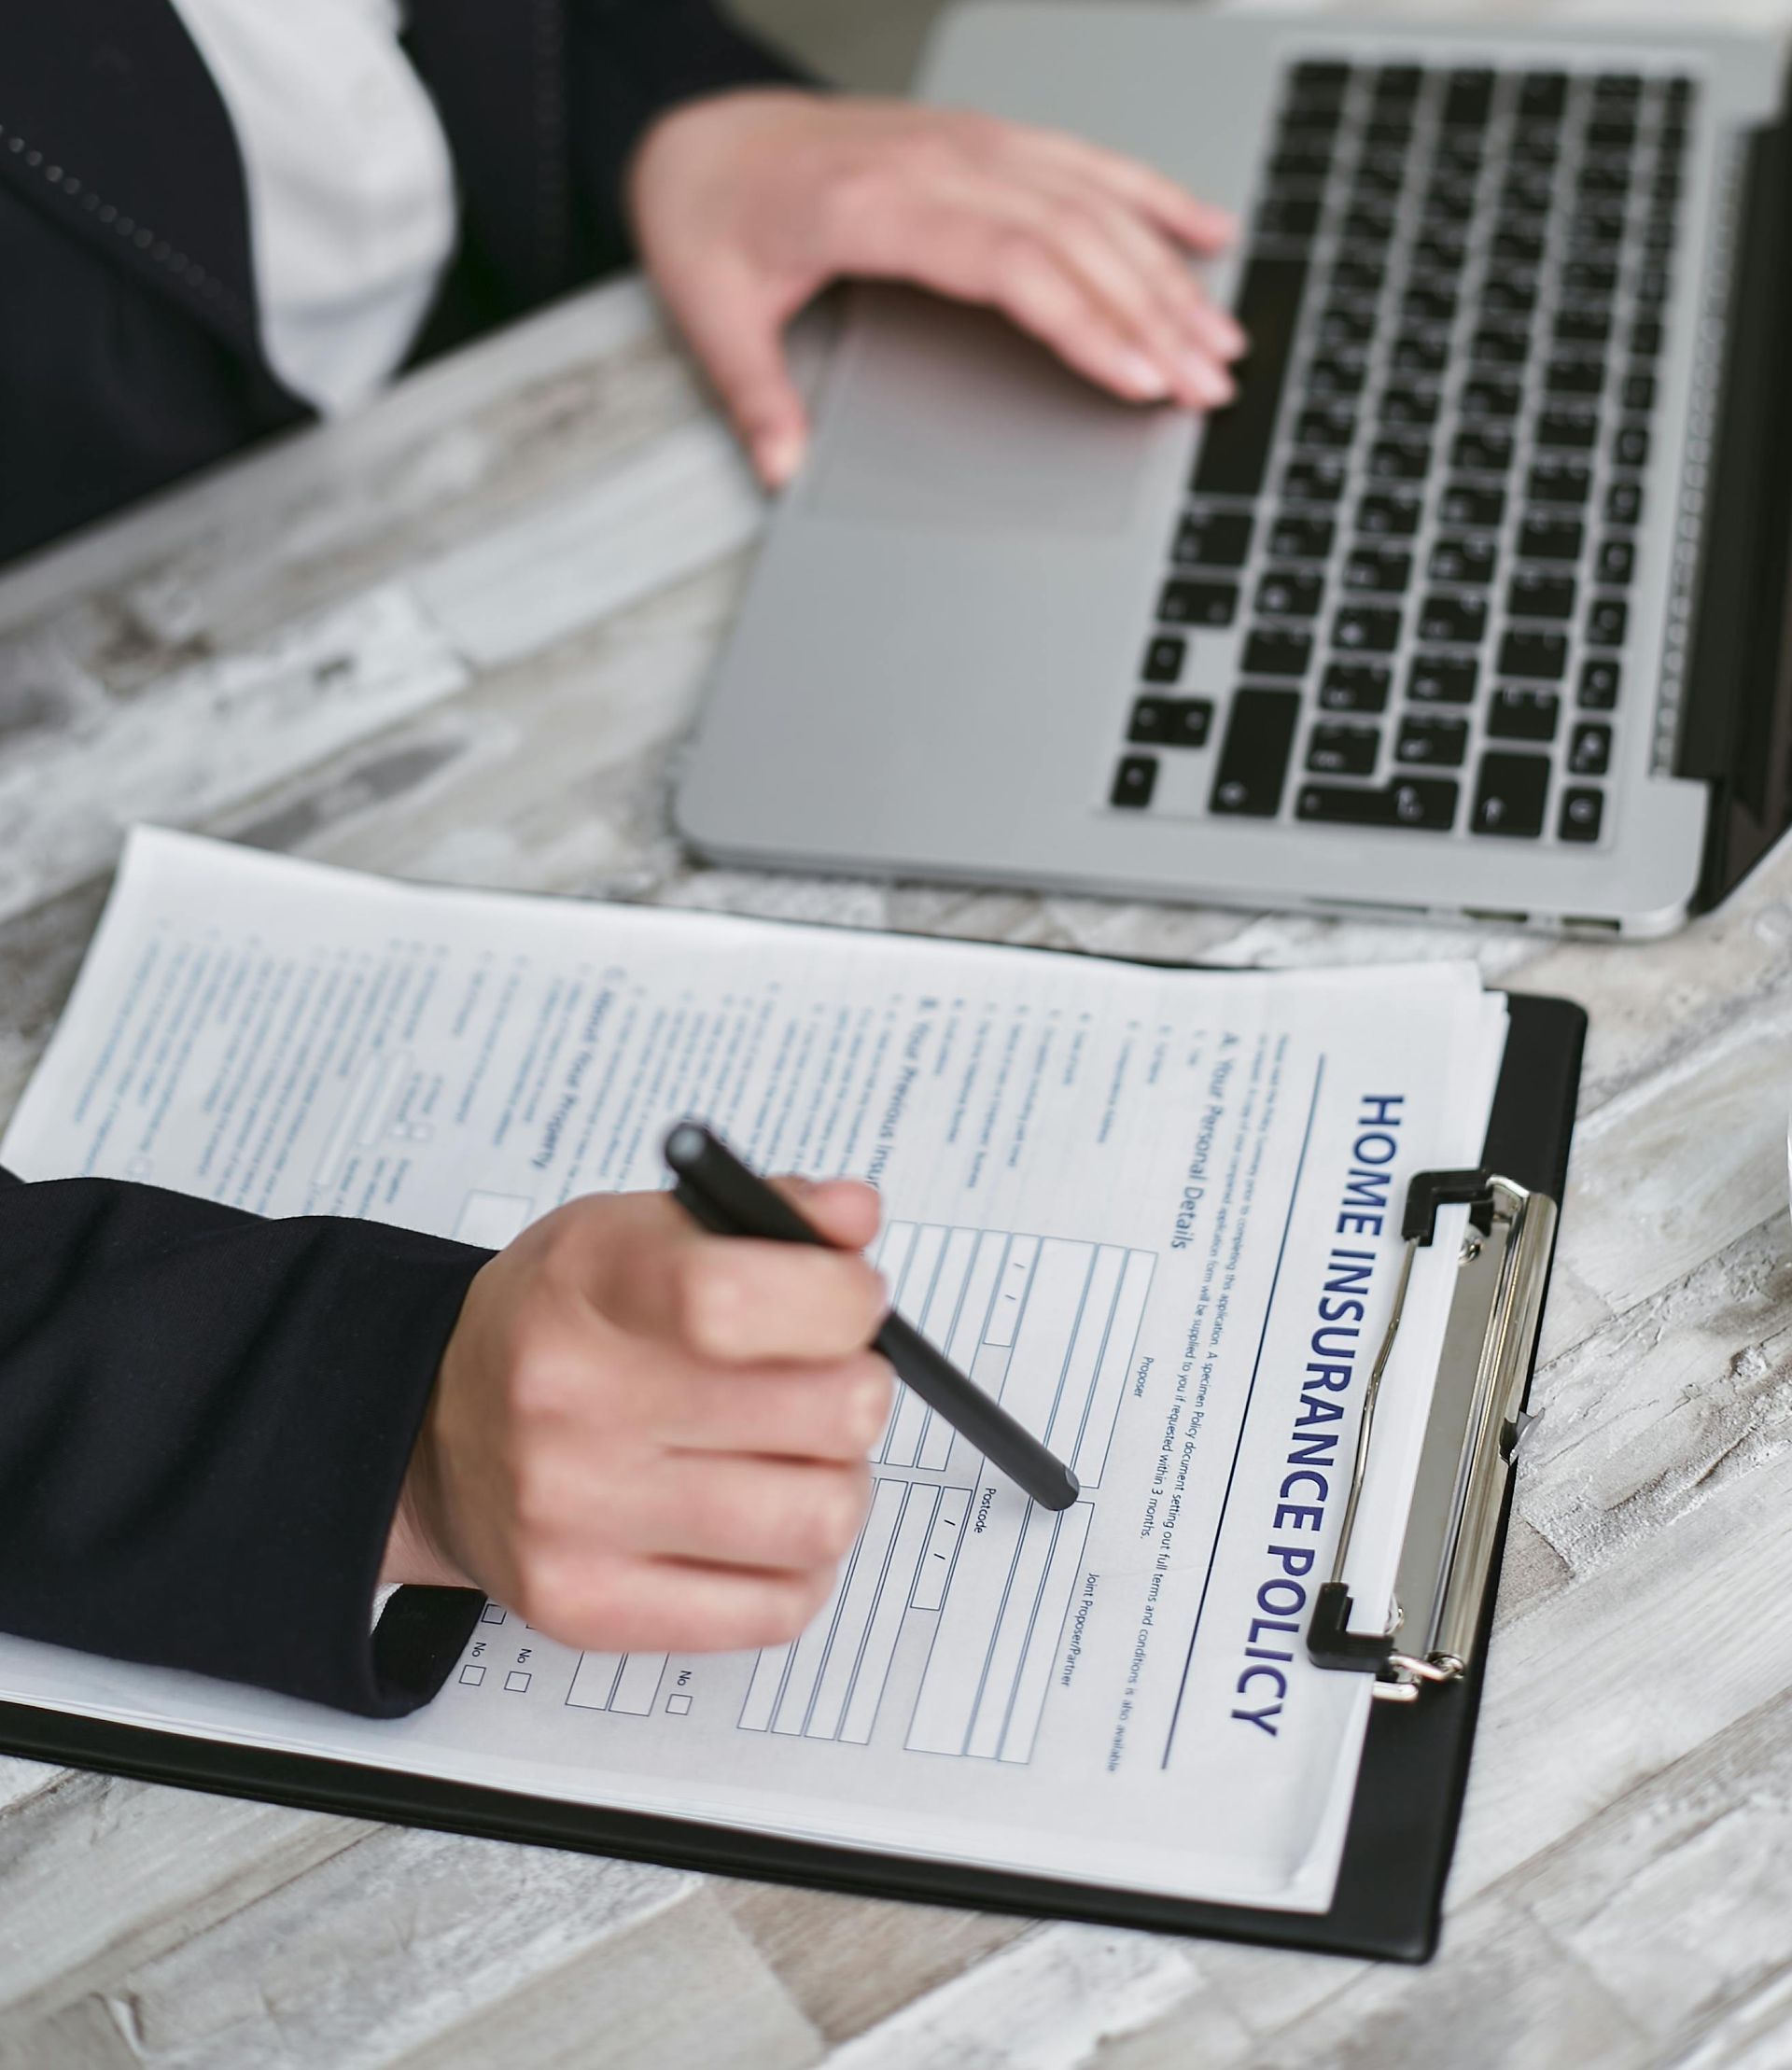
(462, 639)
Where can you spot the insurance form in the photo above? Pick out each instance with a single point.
(1157, 1213)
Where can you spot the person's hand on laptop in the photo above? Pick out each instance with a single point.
(746, 205)
(644, 1436)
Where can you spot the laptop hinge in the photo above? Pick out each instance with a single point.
(1736, 731)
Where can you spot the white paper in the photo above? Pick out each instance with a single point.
(1119, 1196)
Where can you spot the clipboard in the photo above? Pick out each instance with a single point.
(1389, 1896)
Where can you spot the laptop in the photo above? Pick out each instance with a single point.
(1474, 603)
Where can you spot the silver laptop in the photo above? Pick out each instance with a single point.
(1474, 603)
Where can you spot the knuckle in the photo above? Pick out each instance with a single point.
(709, 1297)
(1018, 265)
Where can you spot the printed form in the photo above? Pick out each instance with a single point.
(1157, 1213)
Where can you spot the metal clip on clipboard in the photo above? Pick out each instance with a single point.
(1475, 1424)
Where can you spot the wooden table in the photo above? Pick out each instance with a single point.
(462, 639)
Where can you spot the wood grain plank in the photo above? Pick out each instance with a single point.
(448, 1926)
(850, 1962)
(685, 1986)
(1046, 2002)
(1678, 1897)
(1506, 1996)
(100, 1874)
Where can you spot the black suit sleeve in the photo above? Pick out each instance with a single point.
(632, 61)
(204, 1424)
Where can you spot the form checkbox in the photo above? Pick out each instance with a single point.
(493, 1614)
(678, 1705)
(472, 1674)
(517, 1680)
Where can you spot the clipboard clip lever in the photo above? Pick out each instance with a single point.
(1477, 1420)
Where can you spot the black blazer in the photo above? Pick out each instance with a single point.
(205, 1418)
(129, 356)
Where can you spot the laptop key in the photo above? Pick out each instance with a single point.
(1468, 99)
(1427, 804)
(1399, 459)
(1253, 760)
(1510, 795)
(1366, 629)
(1134, 781)
(1600, 679)
(1582, 809)
(1163, 659)
(1317, 481)
(1505, 294)
(1235, 445)
(1574, 377)
(1358, 276)
(1170, 723)
(1464, 558)
(1624, 502)
(1387, 514)
(1431, 740)
(1290, 593)
(1533, 594)
(1458, 619)
(1646, 337)
(1186, 603)
(1397, 83)
(1443, 679)
(1440, 251)
(1427, 304)
(1333, 378)
(1516, 244)
(1543, 94)
(1486, 400)
(1337, 750)
(1421, 352)
(1282, 216)
(1354, 687)
(1554, 480)
(1616, 561)
(1473, 503)
(1485, 451)
(1566, 429)
(1331, 428)
(1582, 327)
(1408, 409)
(1269, 652)
(1516, 714)
(1214, 539)
(1607, 620)
(1500, 346)
(1550, 539)
(1589, 750)
(1343, 324)
(1538, 657)
(1630, 445)
(1301, 538)
(1377, 570)
(1638, 391)
(1301, 164)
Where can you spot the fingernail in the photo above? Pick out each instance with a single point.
(777, 455)
(1232, 339)
(1211, 384)
(1143, 376)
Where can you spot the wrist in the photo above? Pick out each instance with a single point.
(414, 1555)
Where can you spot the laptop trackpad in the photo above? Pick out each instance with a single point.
(949, 418)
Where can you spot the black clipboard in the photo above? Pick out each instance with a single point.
(1389, 1897)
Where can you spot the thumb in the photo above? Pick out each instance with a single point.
(738, 333)
(844, 1211)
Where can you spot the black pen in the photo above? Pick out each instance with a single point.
(715, 1189)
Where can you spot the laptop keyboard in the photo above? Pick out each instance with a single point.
(1417, 527)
